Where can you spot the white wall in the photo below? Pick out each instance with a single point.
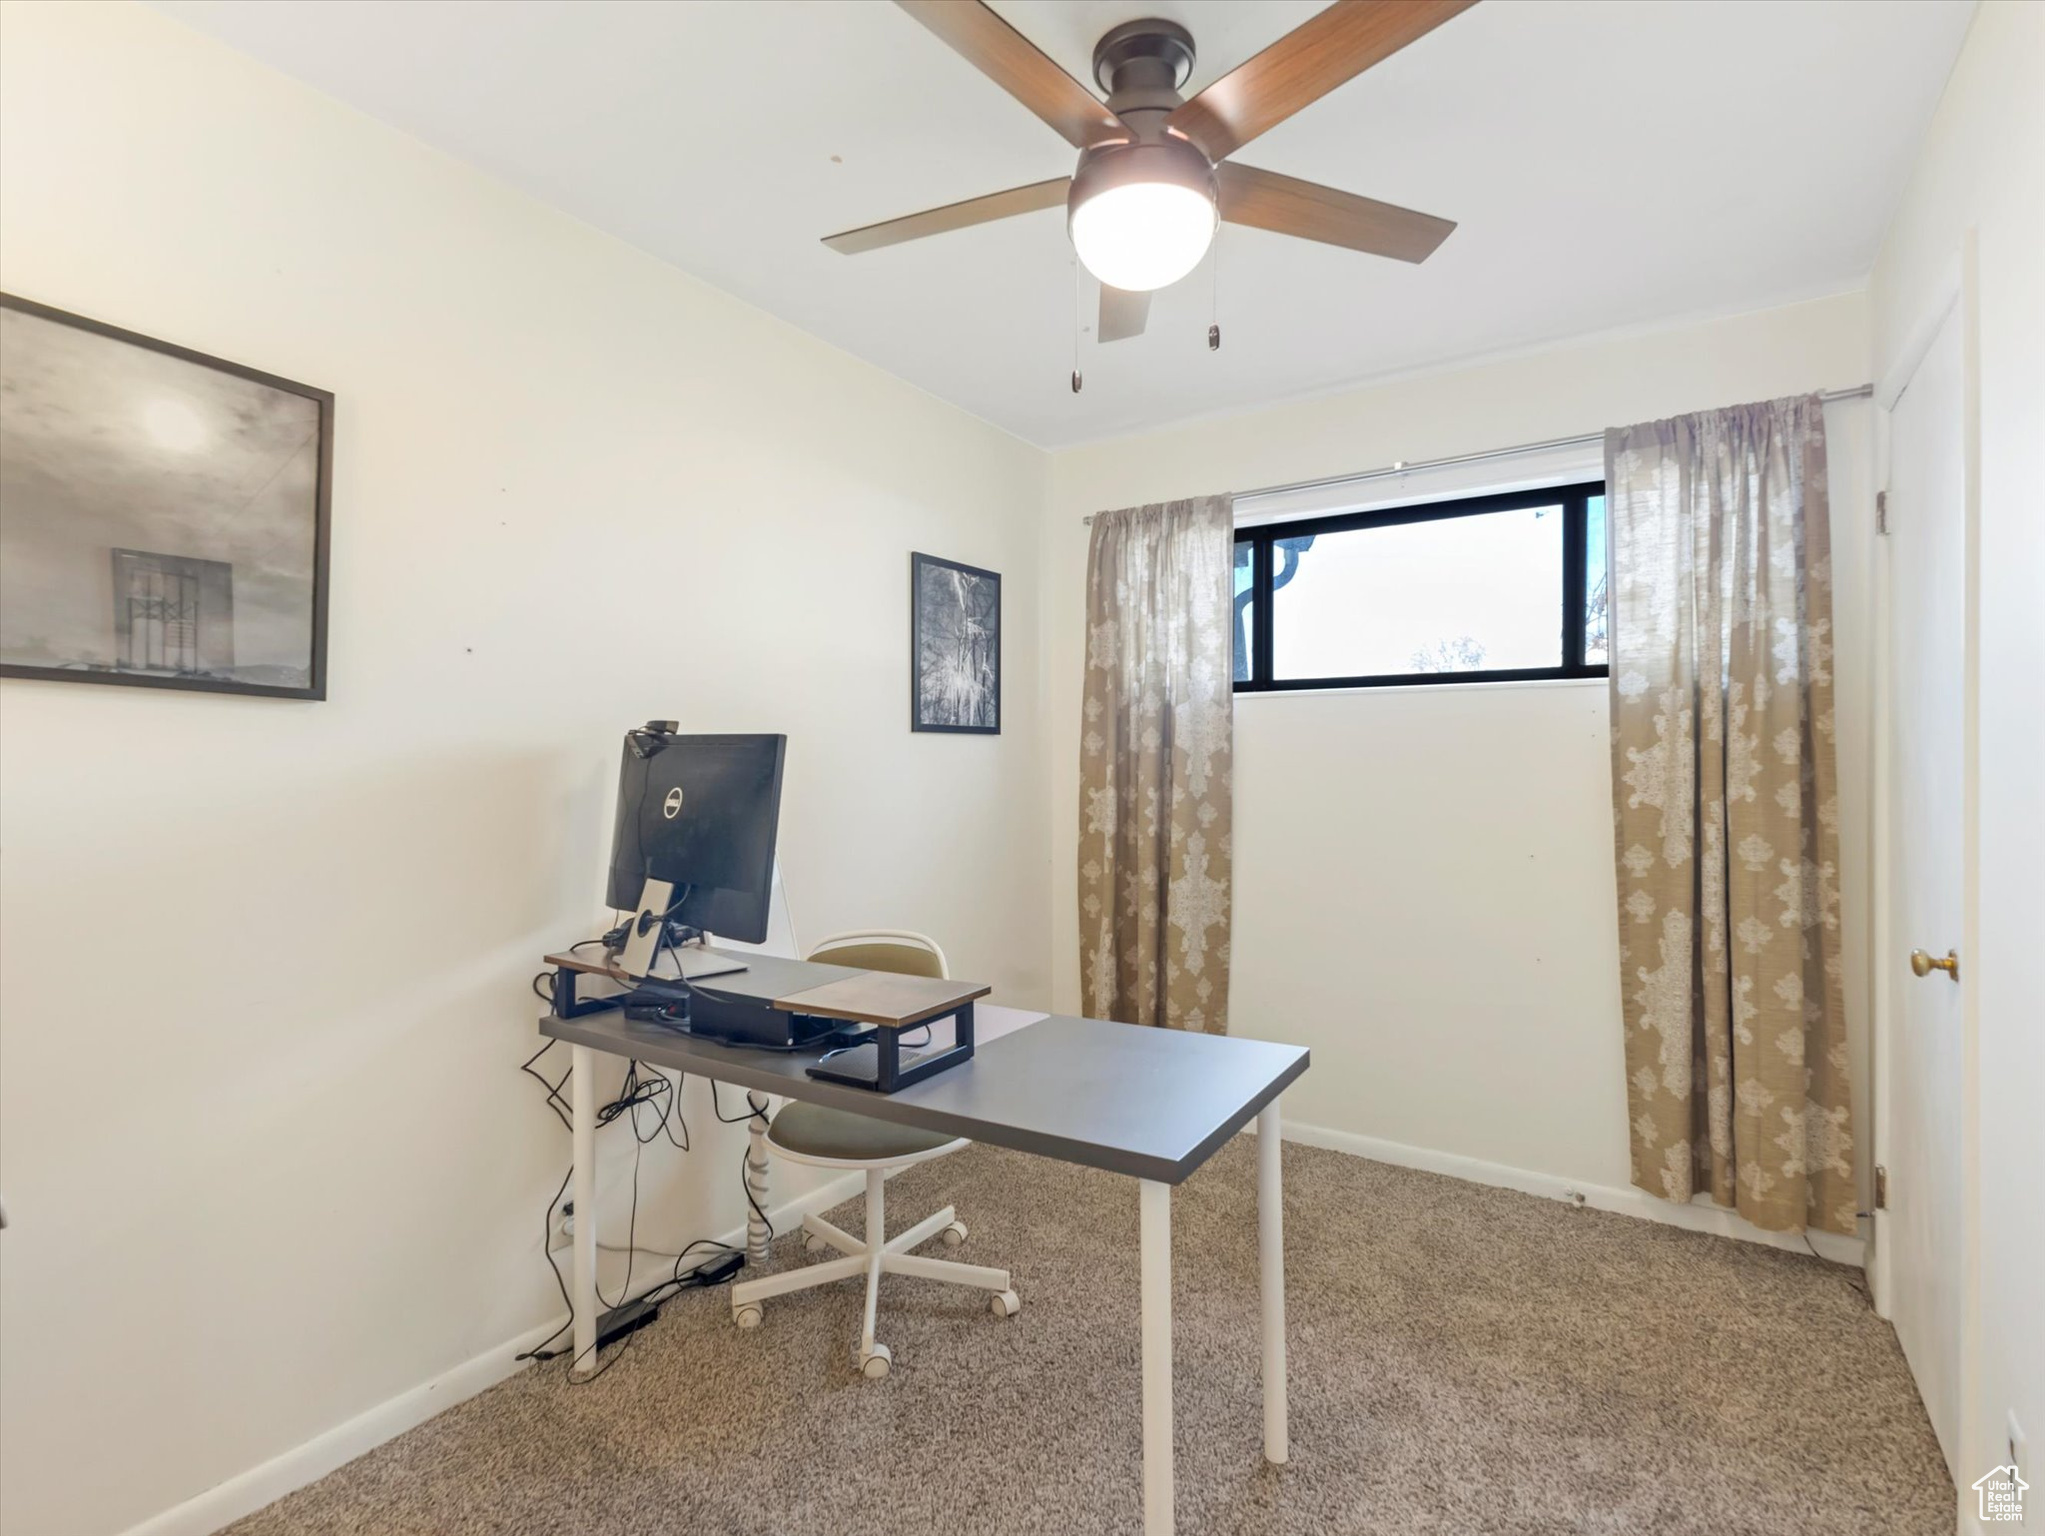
(1978, 174)
(266, 1154)
(1424, 886)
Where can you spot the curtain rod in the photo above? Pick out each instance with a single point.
(1858, 392)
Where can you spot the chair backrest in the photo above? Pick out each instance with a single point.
(884, 949)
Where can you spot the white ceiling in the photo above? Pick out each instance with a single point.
(1609, 165)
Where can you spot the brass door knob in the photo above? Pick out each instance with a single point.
(1922, 964)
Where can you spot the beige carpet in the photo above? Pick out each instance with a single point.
(1463, 1360)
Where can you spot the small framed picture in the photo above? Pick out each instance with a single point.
(954, 647)
(163, 514)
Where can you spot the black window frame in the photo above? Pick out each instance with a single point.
(1575, 503)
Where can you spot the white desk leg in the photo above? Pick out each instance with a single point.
(582, 1108)
(1271, 1274)
(756, 1180)
(1156, 1224)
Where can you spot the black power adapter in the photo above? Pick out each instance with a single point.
(720, 1269)
(630, 1318)
(634, 1315)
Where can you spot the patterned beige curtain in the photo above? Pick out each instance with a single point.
(1727, 812)
(1154, 766)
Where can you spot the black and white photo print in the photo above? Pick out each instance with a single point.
(163, 514)
(954, 647)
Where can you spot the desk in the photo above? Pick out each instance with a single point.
(1152, 1104)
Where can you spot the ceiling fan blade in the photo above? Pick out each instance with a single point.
(937, 221)
(1302, 67)
(1123, 314)
(1289, 206)
(1020, 68)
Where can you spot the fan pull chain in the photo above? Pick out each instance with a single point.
(1078, 312)
(1214, 297)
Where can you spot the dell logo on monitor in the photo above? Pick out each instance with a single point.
(671, 807)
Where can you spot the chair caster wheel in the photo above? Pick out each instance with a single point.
(1005, 1304)
(747, 1316)
(875, 1365)
(812, 1244)
(955, 1234)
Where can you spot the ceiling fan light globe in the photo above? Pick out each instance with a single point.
(1142, 215)
(1144, 234)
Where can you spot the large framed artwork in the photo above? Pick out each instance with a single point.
(163, 514)
(954, 647)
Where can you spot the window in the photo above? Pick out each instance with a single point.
(1487, 589)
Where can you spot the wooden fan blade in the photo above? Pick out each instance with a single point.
(1123, 314)
(1020, 68)
(1302, 67)
(1289, 206)
(937, 221)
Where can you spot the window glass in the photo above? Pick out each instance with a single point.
(1246, 603)
(1596, 649)
(1450, 594)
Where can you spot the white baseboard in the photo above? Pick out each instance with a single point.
(225, 1503)
(1699, 1216)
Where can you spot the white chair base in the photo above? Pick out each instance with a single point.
(891, 1257)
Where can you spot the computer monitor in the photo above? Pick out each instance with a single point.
(700, 814)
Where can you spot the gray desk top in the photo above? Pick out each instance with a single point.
(1152, 1103)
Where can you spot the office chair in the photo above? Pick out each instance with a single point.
(884, 949)
(834, 1138)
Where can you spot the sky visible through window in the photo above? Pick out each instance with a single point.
(1457, 594)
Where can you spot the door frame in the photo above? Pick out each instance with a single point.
(1955, 295)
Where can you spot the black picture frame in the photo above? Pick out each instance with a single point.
(930, 707)
(321, 510)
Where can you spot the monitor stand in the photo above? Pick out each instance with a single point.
(647, 937)
(694, 962)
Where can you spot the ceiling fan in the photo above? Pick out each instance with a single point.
(1154, 175)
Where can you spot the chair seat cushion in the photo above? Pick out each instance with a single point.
(811, 1130)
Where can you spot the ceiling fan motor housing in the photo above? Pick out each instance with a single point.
(1143, 58)
(1141, 65)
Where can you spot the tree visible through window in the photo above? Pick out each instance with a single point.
(1491, 588)
(1596, 647)
(1287, 553)
(1461, 654)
